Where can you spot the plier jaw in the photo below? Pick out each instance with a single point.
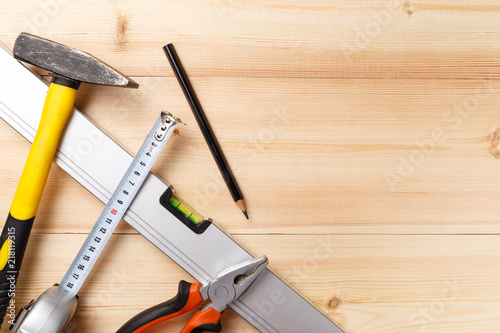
(231, 283)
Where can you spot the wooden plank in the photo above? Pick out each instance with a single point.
(369, 283)
(377, 38)
(364, 136)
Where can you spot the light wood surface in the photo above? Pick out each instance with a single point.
(364, 136)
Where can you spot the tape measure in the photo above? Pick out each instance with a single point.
(118, 204)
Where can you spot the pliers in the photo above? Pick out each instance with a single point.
(227, 287)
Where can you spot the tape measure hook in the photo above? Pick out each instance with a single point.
(167, 120)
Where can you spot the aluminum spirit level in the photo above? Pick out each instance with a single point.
(202, 249)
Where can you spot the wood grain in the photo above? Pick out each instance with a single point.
(364, 135)
(367, 283)
(339, 38)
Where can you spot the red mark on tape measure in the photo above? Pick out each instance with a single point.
(114, 211)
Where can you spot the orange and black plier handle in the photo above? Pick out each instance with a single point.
(188, 297)
(227, 287)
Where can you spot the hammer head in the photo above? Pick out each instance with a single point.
(67, 62)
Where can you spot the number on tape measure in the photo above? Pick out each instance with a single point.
(118, 203)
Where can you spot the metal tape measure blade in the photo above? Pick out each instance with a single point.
(118, 204)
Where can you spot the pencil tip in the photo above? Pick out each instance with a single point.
(243, 207)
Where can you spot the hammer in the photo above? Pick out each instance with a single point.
(70, 68)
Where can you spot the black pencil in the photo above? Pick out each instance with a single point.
(202, 121)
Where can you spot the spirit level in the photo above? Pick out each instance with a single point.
(202, 250)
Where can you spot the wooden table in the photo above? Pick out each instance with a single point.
(364, 135)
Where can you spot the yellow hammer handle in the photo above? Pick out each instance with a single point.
(17, 228)
(56, 110)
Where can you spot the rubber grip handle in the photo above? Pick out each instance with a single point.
(187, 298)
(13, 240)
(56, 110)
(206, 321)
